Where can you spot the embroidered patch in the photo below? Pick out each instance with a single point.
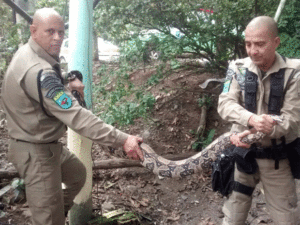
(242, 71)
(226, 86)
(52, 83)
(63, 100)
(229, 74)
(240, 77)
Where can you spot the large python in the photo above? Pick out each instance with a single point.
(198, 163)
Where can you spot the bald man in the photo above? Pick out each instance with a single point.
(262, 84)
(38, 107)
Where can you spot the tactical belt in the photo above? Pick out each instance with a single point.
(18, 140)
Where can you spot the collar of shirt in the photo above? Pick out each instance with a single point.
(278, 64)
(42, 53)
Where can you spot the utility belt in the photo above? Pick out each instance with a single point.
(18, 140)
(276, 152)
(270, 153)
(244, 159)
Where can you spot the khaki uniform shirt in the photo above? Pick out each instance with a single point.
(232, 102)
(25, 118)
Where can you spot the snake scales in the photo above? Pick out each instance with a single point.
(198, 163)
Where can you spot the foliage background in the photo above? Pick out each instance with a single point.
(217, 36)
(166, 28)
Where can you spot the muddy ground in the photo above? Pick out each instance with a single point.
(188, 201)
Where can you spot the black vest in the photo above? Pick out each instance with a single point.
(276, 92)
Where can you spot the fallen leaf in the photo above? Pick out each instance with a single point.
(170, 129)
(144, 202)
(206, 222)
(108, 184)
(175, 121)
(173, 218)
(168, 146)
(135, 204)
(188, 137)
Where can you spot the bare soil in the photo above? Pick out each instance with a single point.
(188, 201)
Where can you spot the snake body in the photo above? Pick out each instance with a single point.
(199, 163)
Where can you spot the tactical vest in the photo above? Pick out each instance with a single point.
(223, 168)
(277, 93)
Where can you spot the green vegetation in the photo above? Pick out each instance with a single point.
(181, 26)
(206, 100)
(161, 29)
(9, 37)
(289, 26)
(203, 142)
(121, 103)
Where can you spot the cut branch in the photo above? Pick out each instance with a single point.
(202, 122)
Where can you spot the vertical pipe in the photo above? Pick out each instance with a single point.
(279, 10)
(80, 50)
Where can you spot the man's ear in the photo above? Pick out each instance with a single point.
(277, 41)
(33, 29)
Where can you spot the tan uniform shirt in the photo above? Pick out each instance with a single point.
(25, 117)
(232, 102)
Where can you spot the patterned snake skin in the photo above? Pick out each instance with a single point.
(199, 163)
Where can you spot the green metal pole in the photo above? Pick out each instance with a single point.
(80, 43)
(80, 50)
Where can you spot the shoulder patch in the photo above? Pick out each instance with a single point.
(242, 71)
(51, 82)
(240, 77)
(63, 100)
(229, 75)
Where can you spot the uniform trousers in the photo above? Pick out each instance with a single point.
(44, 167)
(279, 191)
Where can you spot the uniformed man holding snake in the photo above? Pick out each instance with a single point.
(264, 83)
(38, 107)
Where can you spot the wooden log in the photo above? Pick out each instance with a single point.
(4, 174)
(106, 164)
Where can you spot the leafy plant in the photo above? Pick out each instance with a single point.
(289, 26)
(9, 37)
(203, 142)
(206, 100)
(123, 103)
